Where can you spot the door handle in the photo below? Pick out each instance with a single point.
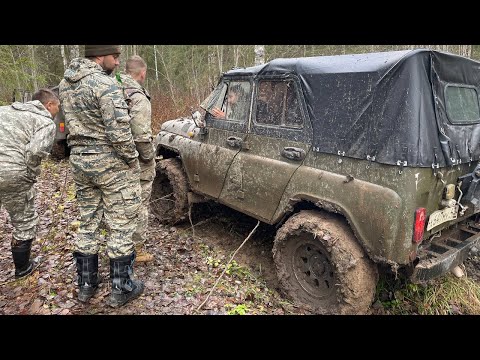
(234, 141)
(293, 153)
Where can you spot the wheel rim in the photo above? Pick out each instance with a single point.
(313, 270)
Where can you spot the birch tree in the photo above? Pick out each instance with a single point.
(64, 58)
(259, 54)
(34, 67)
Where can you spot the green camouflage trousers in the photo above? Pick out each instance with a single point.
(18, 198)
(146, 181)
(106, 188)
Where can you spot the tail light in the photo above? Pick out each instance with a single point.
(62, 127)
(419, 225)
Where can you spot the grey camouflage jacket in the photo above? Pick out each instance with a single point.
(140, 110)
(27, 132)
(95, 111)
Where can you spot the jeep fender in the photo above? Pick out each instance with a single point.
(372, 211)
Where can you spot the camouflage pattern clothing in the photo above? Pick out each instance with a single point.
(102, 149)
(140, 111)
(27, 132)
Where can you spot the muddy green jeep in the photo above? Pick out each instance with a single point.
(360, 160)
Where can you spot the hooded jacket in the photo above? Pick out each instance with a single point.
(27, 132)
(140, 111)
(96, 113)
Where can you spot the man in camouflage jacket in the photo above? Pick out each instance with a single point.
(140, 111)
(105, 170)
(27, 132)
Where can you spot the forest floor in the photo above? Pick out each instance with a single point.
(186, 265)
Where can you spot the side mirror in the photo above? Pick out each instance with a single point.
(198, 119)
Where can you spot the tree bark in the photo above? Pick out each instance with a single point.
(75, 51)
(259, 51)
(167, 77)
(62, 51)
(34, 67)
(220, 58)
(15, 67)
(156, 63)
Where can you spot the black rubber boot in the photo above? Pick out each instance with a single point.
(21, 258)
(87, 275)
(124, 288)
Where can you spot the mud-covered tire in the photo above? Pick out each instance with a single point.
(169, 202)
(321, 265)
(60, 150)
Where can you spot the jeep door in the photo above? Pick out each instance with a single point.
(225, 134)
(278, 141)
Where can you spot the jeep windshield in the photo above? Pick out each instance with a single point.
(215, 99)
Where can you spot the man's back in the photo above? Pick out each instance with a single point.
(95, 111)
(140, 108)
(18, 123)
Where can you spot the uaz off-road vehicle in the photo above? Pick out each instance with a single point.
(360, 160)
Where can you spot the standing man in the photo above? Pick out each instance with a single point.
(27, 132)
(140, 111)
(105, 170)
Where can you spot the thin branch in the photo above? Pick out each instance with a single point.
(228, 263)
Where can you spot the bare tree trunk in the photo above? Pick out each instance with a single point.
(15, 67)
(195, 77)
(167, 76)
(62, 51)
(75, 51)
(134, 49)
(220, 58)
(259, 51)
(123, 57)
(156, 64)
(236, 54)
(34, 68)
(211, 77)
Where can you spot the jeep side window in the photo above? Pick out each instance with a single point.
(462, 104)
(278, 104)
(293, 115)
(237, 101)
(264, 113)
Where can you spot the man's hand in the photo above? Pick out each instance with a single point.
(219, 114)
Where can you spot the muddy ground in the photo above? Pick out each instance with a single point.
(187, 263)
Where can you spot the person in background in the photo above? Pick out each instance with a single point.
(140, 111)
(27, 132)
(231, 108)
(105, 169)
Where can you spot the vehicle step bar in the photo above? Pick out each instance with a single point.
(445, 252)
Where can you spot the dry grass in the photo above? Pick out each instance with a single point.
(452, 296)
(445, 296)
(163, 108)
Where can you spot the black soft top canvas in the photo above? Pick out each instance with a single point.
(387, 106)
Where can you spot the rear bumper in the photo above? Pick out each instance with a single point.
(447, 251)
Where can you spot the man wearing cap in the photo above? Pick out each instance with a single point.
(27, 132)
(140, 111)
(105, 169)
